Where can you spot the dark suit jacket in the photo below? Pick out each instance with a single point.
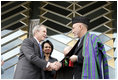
(30, 64)
(77, 69)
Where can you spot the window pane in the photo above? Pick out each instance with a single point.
(58, 55)
(62, 38)
(11, 45)
(10, 62)
(12, 36)
(11, 53)
(57, 45)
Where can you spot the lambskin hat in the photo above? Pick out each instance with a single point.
(80, 19)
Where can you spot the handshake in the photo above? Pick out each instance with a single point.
(54, 66)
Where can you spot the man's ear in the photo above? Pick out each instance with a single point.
(81, 27)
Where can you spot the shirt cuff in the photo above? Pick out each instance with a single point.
(77, 58)
(47, 64)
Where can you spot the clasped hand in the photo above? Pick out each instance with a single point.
(54, 66)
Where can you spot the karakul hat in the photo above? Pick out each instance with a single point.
(80, 19)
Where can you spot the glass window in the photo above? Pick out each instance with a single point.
(51, 32)
(62, 38)
(4, 32)
(12, 36)
(107, 47)
(11, 53)
(57, 45)
(96, 33)
(11, 45)
(8, 74)
(58, 55)
(104, 38)
(10, 62)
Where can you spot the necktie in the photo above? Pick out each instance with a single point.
(40, 49)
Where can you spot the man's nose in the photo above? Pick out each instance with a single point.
(72, 31)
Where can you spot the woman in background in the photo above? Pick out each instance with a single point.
(47, 48)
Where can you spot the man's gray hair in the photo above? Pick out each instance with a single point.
(85, 25)
(37, 28)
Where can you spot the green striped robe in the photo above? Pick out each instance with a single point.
(94, 53)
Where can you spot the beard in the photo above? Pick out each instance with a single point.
(76, 34)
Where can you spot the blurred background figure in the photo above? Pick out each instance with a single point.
(2, 63)
(67, 49)
(47, 48)
(66, 71)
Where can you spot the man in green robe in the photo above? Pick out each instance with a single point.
(88, 53)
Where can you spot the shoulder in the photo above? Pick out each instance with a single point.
(28, 41)
(94, 37)
(91, 36)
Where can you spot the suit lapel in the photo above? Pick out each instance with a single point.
(35, 42)
(37, 48)
(78, 47)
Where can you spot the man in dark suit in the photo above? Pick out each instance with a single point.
(31, 64)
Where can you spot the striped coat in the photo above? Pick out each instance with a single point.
(94, 53)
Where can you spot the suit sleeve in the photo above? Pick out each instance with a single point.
(27, 49)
